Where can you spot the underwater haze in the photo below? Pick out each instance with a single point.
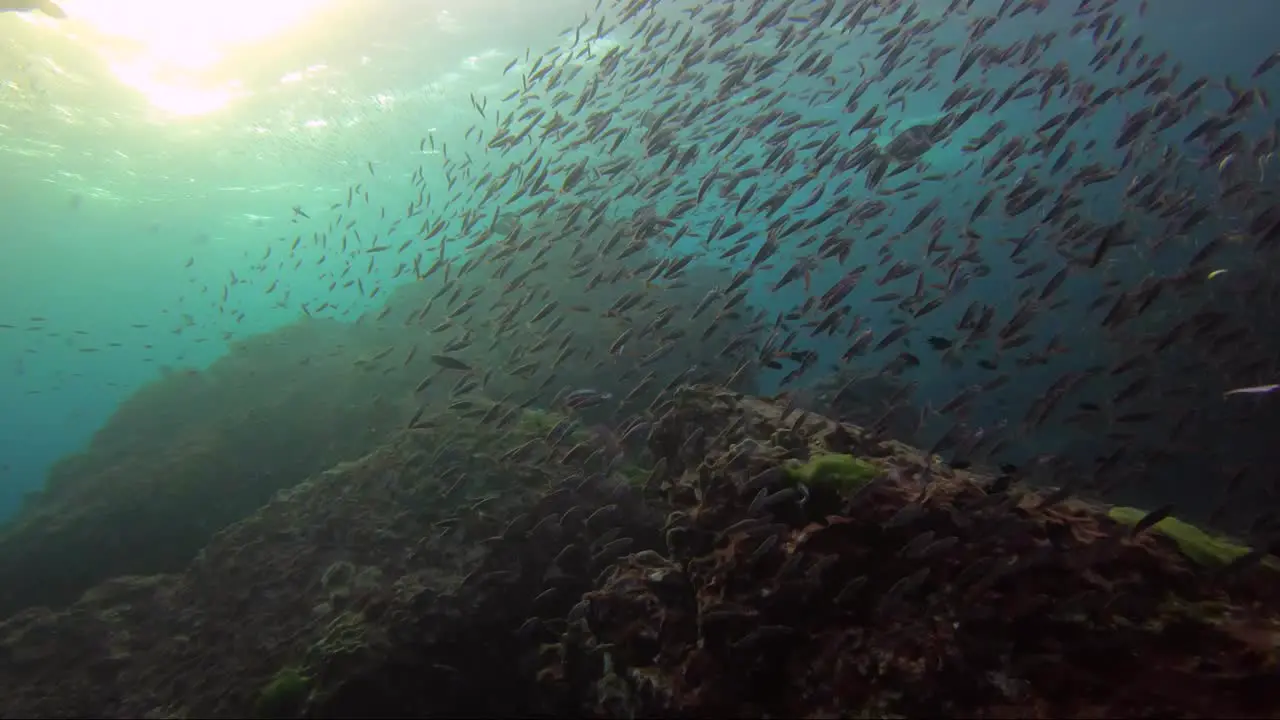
(175, 184)
(143, 169)
(638, 358)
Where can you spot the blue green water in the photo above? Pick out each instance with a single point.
(108, 200)
(135, 242)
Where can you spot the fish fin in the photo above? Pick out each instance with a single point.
(52, 9)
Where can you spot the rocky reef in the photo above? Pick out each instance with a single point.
(194, 451)
(766, 561)
(197, 450)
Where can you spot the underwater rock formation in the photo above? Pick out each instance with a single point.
(349, 571)
(923, 592)
(772, 562)
(620, 337)
(195, 451)
(875, 402)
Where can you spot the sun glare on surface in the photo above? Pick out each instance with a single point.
(172, 50)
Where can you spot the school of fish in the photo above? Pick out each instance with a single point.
(1100, 278)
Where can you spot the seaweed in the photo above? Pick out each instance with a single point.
(284, 695)
(523, 581)
(840, 472)
(1199, 546)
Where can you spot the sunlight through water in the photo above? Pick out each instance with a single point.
(177, 58)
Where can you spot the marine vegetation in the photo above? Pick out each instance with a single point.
(284, 695)
(1201, 547)
(844, 473)
(397, 585)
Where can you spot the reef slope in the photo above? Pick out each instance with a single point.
(771, 563)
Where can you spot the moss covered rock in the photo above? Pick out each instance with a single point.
(839, 472)
(284, 696)
(1199, 546)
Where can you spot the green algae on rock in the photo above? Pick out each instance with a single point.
(284, 695)
(425, 608)
(1199, 546)
(838, 471)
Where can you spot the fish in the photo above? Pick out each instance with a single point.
(585, 398)
(48, 7)
(1267, 64)
(1151, 519)
(450, 363)
(988, 228)
(1252, 390)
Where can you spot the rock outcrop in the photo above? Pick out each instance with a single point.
(770, 562)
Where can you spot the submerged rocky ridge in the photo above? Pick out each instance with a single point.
(754, 560)
(197, 450)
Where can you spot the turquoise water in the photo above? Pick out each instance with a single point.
(138, 240)
(124, 223)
